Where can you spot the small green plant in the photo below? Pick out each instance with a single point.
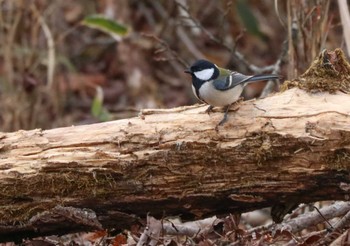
(109, 26)
(97, 109)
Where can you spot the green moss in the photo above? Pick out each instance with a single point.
(19, 194)
(330, 72)
(339, 160)
(261, 147)
(20, 213)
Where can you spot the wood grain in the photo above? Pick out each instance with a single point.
(289, 146)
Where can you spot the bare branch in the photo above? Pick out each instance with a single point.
(239, 56)
(314, 218)
(342, 223)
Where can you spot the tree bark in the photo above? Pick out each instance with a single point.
(292, 146)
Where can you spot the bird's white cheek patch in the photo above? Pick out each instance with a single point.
(205, 74)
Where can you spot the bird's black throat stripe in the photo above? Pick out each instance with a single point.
(197, 84)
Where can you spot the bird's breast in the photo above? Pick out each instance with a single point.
(217, 98)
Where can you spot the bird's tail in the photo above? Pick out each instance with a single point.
(262, 77)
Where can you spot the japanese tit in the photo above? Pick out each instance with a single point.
(219, 87)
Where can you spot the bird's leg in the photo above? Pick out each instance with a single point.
(225, 115)
(209, 109)
(236, 104)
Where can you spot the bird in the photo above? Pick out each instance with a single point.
(220, 87)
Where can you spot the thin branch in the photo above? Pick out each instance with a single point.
(341, 239)
(51, 57)
(186, 40)
(239, 56)
(345, 20)
(9, 41)
(325, 220)
(342, 223)
(306, 220)
(271, 84)
(278, 14)
(166, 47)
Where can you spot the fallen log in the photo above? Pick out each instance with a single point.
(292, 146)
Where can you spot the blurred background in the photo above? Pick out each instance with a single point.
(59, 66)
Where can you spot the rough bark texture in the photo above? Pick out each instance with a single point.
(289, 146)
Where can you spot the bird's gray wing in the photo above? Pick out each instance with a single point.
(228, 82)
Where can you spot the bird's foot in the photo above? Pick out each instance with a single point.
(236, 105)
(209, 109)
(224, 119)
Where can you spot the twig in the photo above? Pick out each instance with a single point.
(306, 220)
(188, 21)
(8, 41)
(296, 211)
(325, 220)
(166, 48)
(278, 14)
(239, 56)
(51, 57)
(342, 223)
(303, 238)
(345, 20)
(191, 229)
(225, 12)
(188, 42)
(271, 84)
(180, 31)
(341, 239)
(151, 234)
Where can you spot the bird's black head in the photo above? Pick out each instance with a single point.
(203, 70)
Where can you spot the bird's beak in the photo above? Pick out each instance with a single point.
(188, 71)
